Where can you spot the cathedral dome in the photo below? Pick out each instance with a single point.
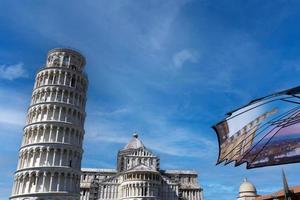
(134, 143)
(247, 189)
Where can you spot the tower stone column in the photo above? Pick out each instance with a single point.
(51, 151)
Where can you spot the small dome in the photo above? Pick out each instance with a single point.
(247, 188)
(134, 143)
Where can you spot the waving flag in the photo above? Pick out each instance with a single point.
(262, 133)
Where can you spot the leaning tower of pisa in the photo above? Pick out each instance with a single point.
(50, 154)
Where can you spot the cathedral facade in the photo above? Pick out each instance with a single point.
(138, 177)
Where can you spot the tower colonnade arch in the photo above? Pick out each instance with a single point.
(39, 181)
(52, 155)
(54, 133)
(60, 76)
(55, 112)
(58, 94)
(141, 184)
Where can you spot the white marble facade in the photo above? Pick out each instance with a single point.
(247, 191)
(139, 177)
(51, 151)
(49, 166)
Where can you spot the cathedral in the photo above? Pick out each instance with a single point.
(49, 166)
(248, 191)
(138, 177)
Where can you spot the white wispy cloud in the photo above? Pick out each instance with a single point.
(14, 71)
(221, 187)
(12, 116)
(184, 56)
(170, 143)
(114, 113)
(145, 34)
(146, 29)
(178, 141)
(173, 139)
(13, 104)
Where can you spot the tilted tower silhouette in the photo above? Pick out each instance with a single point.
(51, 151)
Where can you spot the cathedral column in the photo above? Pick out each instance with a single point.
(57, 132)
(21, 185)
(62, 95)
(68, 98)
(51, 94)
(23, 160)
(17, 186)
(40, 156)
(69, 139)
(109, 191)
(56, 94)
(36, 181)
(64, 134)
(47, 113)
(59, 77)
(14, 186)
(58, 182)
(197, 195)
(59, 113)
(79, 137)
(37, 134)
(68, 152)
(54, 157)
(61, 157)
(135, 189)
(75, 82)
(29, 184)
(50, 131)
(65, 182)
(71, 181)
(47, 156)
(102, 192)
(43, 133)
(43, 181)
(127, 190)
(139, 189)
(51, 180)
(65, 78)
(54, 111)
(33, 158)
(130, 192)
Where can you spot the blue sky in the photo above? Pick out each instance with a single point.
(167, 69)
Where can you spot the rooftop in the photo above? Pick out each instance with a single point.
(134, 143)
(175, 171)
(280, 193)
(98, 170)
